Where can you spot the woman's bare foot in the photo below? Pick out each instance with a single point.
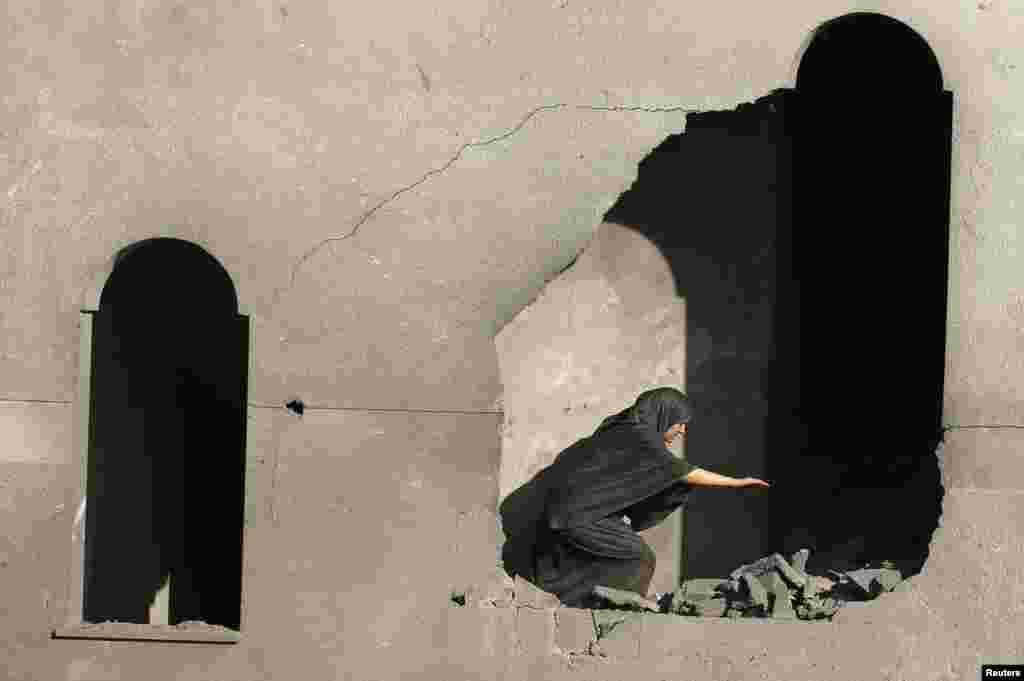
(623, 598)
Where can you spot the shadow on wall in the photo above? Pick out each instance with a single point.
(712, 200)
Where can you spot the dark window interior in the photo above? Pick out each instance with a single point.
(166, 468)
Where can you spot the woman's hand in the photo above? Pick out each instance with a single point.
(701, 477)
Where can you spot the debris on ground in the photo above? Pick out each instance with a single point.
(619, 598)
(781, 589)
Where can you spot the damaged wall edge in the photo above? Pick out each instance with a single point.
(365, 217)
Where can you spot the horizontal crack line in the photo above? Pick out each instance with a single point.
(458, 154)
(6, 400)
(398, 411)
(305, 408)
(982, 426)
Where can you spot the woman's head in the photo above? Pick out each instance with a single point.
(658, 411)
(663, 410)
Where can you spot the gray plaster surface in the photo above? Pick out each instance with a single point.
(391, 187)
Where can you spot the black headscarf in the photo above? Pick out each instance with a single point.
(656, 410)
(624, 462)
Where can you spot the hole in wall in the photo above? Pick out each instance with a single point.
(807, 234)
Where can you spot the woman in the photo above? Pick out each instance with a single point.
(623, 471)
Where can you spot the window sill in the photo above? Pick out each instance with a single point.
(191, 632)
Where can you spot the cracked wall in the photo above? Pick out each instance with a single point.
(268, 131)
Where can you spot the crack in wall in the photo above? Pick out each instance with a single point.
(517, 647)
(306, 407)
(946, 429)
(450, 162)
(23, 181)
(469, 412)
(257, 405)
(569, 653)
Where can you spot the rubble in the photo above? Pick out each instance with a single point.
(768, 564)
(780, 589)
(781, 599)
(799, 560)
(697, 597)
(618, 598)
(756, 593)
(872, 582)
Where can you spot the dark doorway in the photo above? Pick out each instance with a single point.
(165, 477)
(808, 234)
(872, 131)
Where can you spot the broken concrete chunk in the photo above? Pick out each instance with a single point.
(783, 609)
(814, 586)
(758, 594)
(862, 578)
(701, 589)
(888, 578)
(666, 601)
(606, 621)
(768, 564)
(700, 604)
(624, 599)
(713, 607)
(795, 577)
(782, 603)
(799, 560)
(757, 568)
(730, 586)
(772, 582)
(873, 581)
(817, 608)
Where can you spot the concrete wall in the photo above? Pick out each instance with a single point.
(388, 189)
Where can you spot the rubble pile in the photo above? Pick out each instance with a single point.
(781, 589)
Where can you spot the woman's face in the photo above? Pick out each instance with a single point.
(673, 432)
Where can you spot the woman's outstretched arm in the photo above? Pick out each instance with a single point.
(704, 478)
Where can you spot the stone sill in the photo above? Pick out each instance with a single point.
(130, 631)
(587, 635)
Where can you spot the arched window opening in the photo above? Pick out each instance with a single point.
(872, 130)
(865, 53)
(166, 441)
